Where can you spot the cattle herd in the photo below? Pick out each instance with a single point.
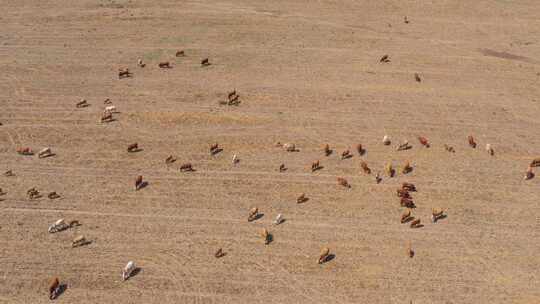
(404, 193)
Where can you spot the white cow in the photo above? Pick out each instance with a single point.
(235, 159)
(128, 270)
(110, 109)
(386, 140)
(45, 152)
(279, 219)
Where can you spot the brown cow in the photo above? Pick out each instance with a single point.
(53, 195)
(323, 256)
(472, 143)
(180, 53)
(123, 73)
(410, 251)
(327, 150)
(409, 187)
(164, 65)
(360, 149)
(301, 198)
(529, 174)
(346, 154)
(403, 193)
(423, 141)
(134, 147)
(535, 162)
(365, 167)
(282, 168)
(449, 148)
(407, 168)
(407, 202)
(343, 182)
(205, 62)
(81, 104)
(315, 166)
(214, 149)
(219, 253)
(186, 167)
(417, 77)
(54, 288)
(138, 182)
(170, 159)
(385, 58)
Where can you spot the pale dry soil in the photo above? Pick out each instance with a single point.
(307, 72)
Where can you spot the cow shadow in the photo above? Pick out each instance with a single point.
(346, 157)
(61, 289)
(256, 217)
(410, 218)
(216, 151)
(328, 258)
(143, 185)
(48, 155)
(317, 169)
(136, 150)
(442, 217)
(269, 239)
(135, 272)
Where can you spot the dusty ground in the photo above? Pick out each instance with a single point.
(308, 72)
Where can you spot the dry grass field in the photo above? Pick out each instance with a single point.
(307, 72)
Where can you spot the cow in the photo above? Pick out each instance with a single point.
(164, 65)
(170, 159)
(180, 53)
(405, 20)
(214, 149)
(140, 63)
(60, 225)
(186, 167)
(219, 253)
(403, 193)
(417, 77)
(253, 214)
(110, 109)
(385, 59)
(301, 198)
(282, 168)
(378, 178)
(134, 147)
(386, 140)
(327, 150)
(323, 256)
(53, 195)
(54, 288)
(106, 117)
(45, 152)
(235, 159)
(205, 62)
(410, 251)
(343, 182)
(403, 146)
(82, 104)
(535, 162)
(9, 173)
(315, 166)
(389, 170)
(138, 182)
(346, 154)
(472, 143)
(449, 148)
(529, 174)
(33, 193)
(409, 187)
(489, 150)
(423, 141)
(437, 214)
(407, 202)
(416, 224)
(290, 147)
(267, 237)
(107, 101)
(406, 216)
(128, 270)
(25, 151)
(360, 149)
(124, 73)
(406, 168)
(232, 95)
(79, 241)
(365, 167)
(279, 219)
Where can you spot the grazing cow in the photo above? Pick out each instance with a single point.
(82, 104)
(489, 149)
(53, 195)
(360, 149)
(403, 146)
(279, 219)
(140, 63)
(138, 182)
(410, 251)
(205, 62)
(407, 168)
(180, 53)
(529, 173)
(323, 256)
(436, 214)
(282, 168)
(406, 216)
(9, 173)
(472, 143)
(110, 109)
(405, 20)
(389, 170)
(327, 150)
(164, 65)
(106, 117)
(378, 178)
(535, 162)
(266, 236)
(409, 187)
(423, 141)
(301, 198)
(386, 140)
(235, 159)
(45, 152)
(170, 159)
(59, 225)
(54, 288)
(253, 214)
(214, 149)
(407, 202)
(403, 193)
(187, 167)
(417, 77)
(79, 241)
(128, 270)
(25, 151)
(416, 224)
(123, 73)
(343, 182)
(219, 253)
(232, 95)
(315, 166)
(33, 193)
(346, 154)
(289, 147)
(449, 148)
(107, 101)
(385, 58)
(365, 167)
(134, 147)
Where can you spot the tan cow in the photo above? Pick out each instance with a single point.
(323, 256)
(406, 168)
(253, 214)
(266, 236)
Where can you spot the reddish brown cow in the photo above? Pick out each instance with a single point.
(403, 193)
(164, 65)
(472, 143)
(106, 116)
(343, 182)
(409, 187)
(180, 53)
(54, 287)
(138, 182)
(360, 149)
(535, 162)
(365, 167)
(423, 141)
(134, 147)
